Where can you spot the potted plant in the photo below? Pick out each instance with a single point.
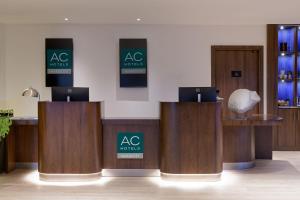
(5, 123)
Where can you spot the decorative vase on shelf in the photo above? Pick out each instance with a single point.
(283, 47)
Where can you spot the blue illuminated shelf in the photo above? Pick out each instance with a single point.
(287, 59)
(287, 53)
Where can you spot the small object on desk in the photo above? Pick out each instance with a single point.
(218, 97)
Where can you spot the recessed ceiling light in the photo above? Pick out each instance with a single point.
(66, 19)
(138, 19)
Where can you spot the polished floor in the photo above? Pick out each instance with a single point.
(276, 179)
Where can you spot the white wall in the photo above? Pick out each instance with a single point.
(2, 68)
(177, 56)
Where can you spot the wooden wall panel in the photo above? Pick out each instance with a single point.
(286, 133)
(150, 128)
(272, 62)
(248, 60)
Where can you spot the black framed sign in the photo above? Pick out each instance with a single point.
(59, 62)
(133, 62)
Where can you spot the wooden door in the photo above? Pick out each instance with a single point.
(237, 67)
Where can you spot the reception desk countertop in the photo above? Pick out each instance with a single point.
(253, 120)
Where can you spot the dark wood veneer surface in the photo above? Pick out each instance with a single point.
(191, 138)
(248, 60)
(70, 137)
(247, 139)
(287, 136)
(22, 143)
(150, 128)
(238, 144)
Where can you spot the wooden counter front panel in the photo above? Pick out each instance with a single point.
(21, 143)
(238, 144)
(191, 138)
(150, 128)
(51, 127)
(10, 158)
(70, 137)
(26, 141)
(91, 139)
(264, 142)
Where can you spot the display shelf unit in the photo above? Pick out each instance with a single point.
(283, 59)
(287, 59)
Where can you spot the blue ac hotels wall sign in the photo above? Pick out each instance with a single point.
(59, 62)
(133, 63)
(130, 145)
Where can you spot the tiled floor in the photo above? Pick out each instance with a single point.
(277, 179)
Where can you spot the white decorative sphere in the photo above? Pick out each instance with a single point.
(243, 100)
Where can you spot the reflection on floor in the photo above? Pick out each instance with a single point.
(277, 179)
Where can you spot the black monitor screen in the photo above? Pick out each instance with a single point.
(70, 94)
(191, 94)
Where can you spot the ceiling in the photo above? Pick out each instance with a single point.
(196, 12)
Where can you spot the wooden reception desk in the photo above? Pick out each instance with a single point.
(22, 144)
(191, 140)
(245, 140)
(70, 140)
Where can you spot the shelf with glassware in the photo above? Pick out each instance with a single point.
(283, 83)
(288, 71)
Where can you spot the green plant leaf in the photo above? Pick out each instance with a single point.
(5, 123)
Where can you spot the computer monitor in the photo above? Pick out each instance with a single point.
(192, 94)
(70, 94)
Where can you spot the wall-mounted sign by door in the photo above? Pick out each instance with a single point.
(130, 145)
(59, 62)
(133, 63)
(236, 74)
